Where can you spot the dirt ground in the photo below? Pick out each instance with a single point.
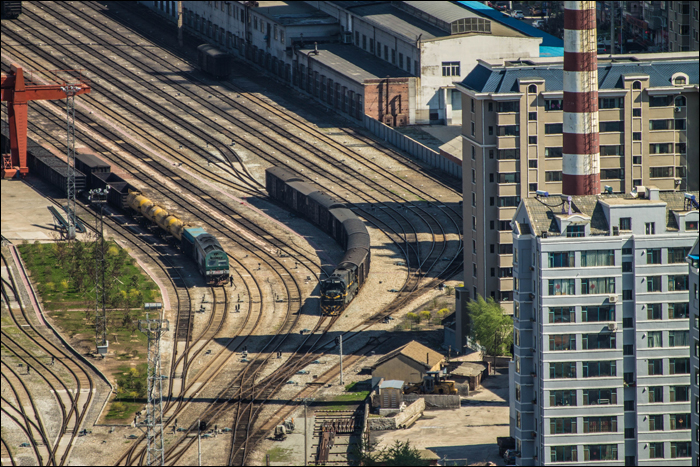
(469, 432)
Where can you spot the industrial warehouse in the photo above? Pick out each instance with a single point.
(350, 233)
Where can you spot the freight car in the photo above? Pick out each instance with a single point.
(335, 219)
(195, 242)
(213, 61)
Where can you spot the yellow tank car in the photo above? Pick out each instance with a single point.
(152, 213)
(135, 200)
(173, 225)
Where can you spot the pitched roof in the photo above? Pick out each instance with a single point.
(416, 352)
(541, 212)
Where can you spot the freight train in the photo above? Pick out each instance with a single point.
(92, 172)
(335, 219)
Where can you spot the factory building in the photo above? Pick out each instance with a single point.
(601, 369)
(394, 61)
(694, 320)
(513, 130)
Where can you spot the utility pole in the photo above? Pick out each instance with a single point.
(99, 196)
(339, 342)
(306, 401)
(154, 328)
(71, 90)
(199, 438)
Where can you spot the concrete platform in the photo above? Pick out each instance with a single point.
(24, 211)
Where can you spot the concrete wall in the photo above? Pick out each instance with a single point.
(435, 401)
(433, 96)
(412, 147)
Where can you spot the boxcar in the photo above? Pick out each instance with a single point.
(213, 61)
(89, 164)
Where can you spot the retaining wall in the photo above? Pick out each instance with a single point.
(435, 401)
(399, 420)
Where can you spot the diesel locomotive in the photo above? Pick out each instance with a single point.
(335, 219)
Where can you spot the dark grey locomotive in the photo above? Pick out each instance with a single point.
(335, 219)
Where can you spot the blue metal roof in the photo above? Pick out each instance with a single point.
(392, 383)
(550, 47)
(505, 79)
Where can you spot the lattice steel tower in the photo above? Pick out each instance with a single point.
(154, 328)
(71, 90)
(99, 196)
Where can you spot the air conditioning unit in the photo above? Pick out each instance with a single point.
(612, 327)
(616, 230)
(677, 109)
(612, 298)
(678, 181)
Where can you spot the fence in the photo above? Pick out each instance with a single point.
(412, 147)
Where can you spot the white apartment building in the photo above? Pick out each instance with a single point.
(601, 368)
(695, 350)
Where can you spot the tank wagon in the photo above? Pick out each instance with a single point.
(335, 219)
(195, 242)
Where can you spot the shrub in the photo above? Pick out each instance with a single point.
(425, 315)
(413, 317)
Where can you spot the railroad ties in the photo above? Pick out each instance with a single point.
(336, 428)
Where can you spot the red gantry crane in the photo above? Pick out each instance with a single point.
(17, 94)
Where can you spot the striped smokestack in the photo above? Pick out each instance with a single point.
(581, 153)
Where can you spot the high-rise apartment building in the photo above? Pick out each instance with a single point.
(694, 350)
(601, 369)
(683, 25)
(512, 125)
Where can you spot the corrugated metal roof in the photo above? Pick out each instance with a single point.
(505, 79)
(416, 352)
(293, 13)
(541, 212)
(398, 21)
(354, 63)
(443, 11)
(392, 383)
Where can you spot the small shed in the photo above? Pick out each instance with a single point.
(408, 363)
(429, 457)
(391, 394)
(469, 373)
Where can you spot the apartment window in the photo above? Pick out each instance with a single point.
(617, 150)
(654, 339)
(637, 136)
(680, 101)
(608, 127)
(678, 338)
(492, 201)
(598, 452)
(473, 223)
(552, 176)
(679, 366)
(562, 315)
(474, 246)
(553, 104)
(656, 422)
(653, 255)
(678, 311)
(513, 106)
(509, 177)
(612, 174)
(595, 314)
(600, 424)
(505, 296)
(562, 370)
(560, 426)
(637, 112)
(660, 101)
(532, 187)
(552, 152)
(473, 128)
(656, 450)
(611, 103)
(517, 392)
(561, 287)
(508, 201)
(597, 258)
(637, 160)
(629, 433)
(509, 130)
(505, 249)
(676, 283)
(627, 266)
(562, 342)
(448, 68)
(680, 421)
(532, 140)
(508, 153)
(679, 124)
(474, 269)
(656, 394)
(691, 225)
(627, 323)
(371, 45)
(473, 176)
(490, 106)
(504, 226)
(660, 172)
(627, 295)
(553, 128)
(491, 225)
(490, 129)
(628, 349)
(364, 42)
(563, 454)
(576, 231)
(471, 101)
(599, 396)
(654, 311)
(655, 366)
(532, 116)
(653, 283)
(661, 148)
(680, 449)
(561, 259)
(680, 393)
(599, 369)
(561, 398)
(665, 124)
(598, 285)
(505, 272)
(490, 153)
(598, 341)
(629, 406)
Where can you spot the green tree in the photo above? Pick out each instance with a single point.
(490, 326)
(400, 454)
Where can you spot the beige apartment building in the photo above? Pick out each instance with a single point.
(512, 145)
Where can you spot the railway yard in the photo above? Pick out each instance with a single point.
(199, 148)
